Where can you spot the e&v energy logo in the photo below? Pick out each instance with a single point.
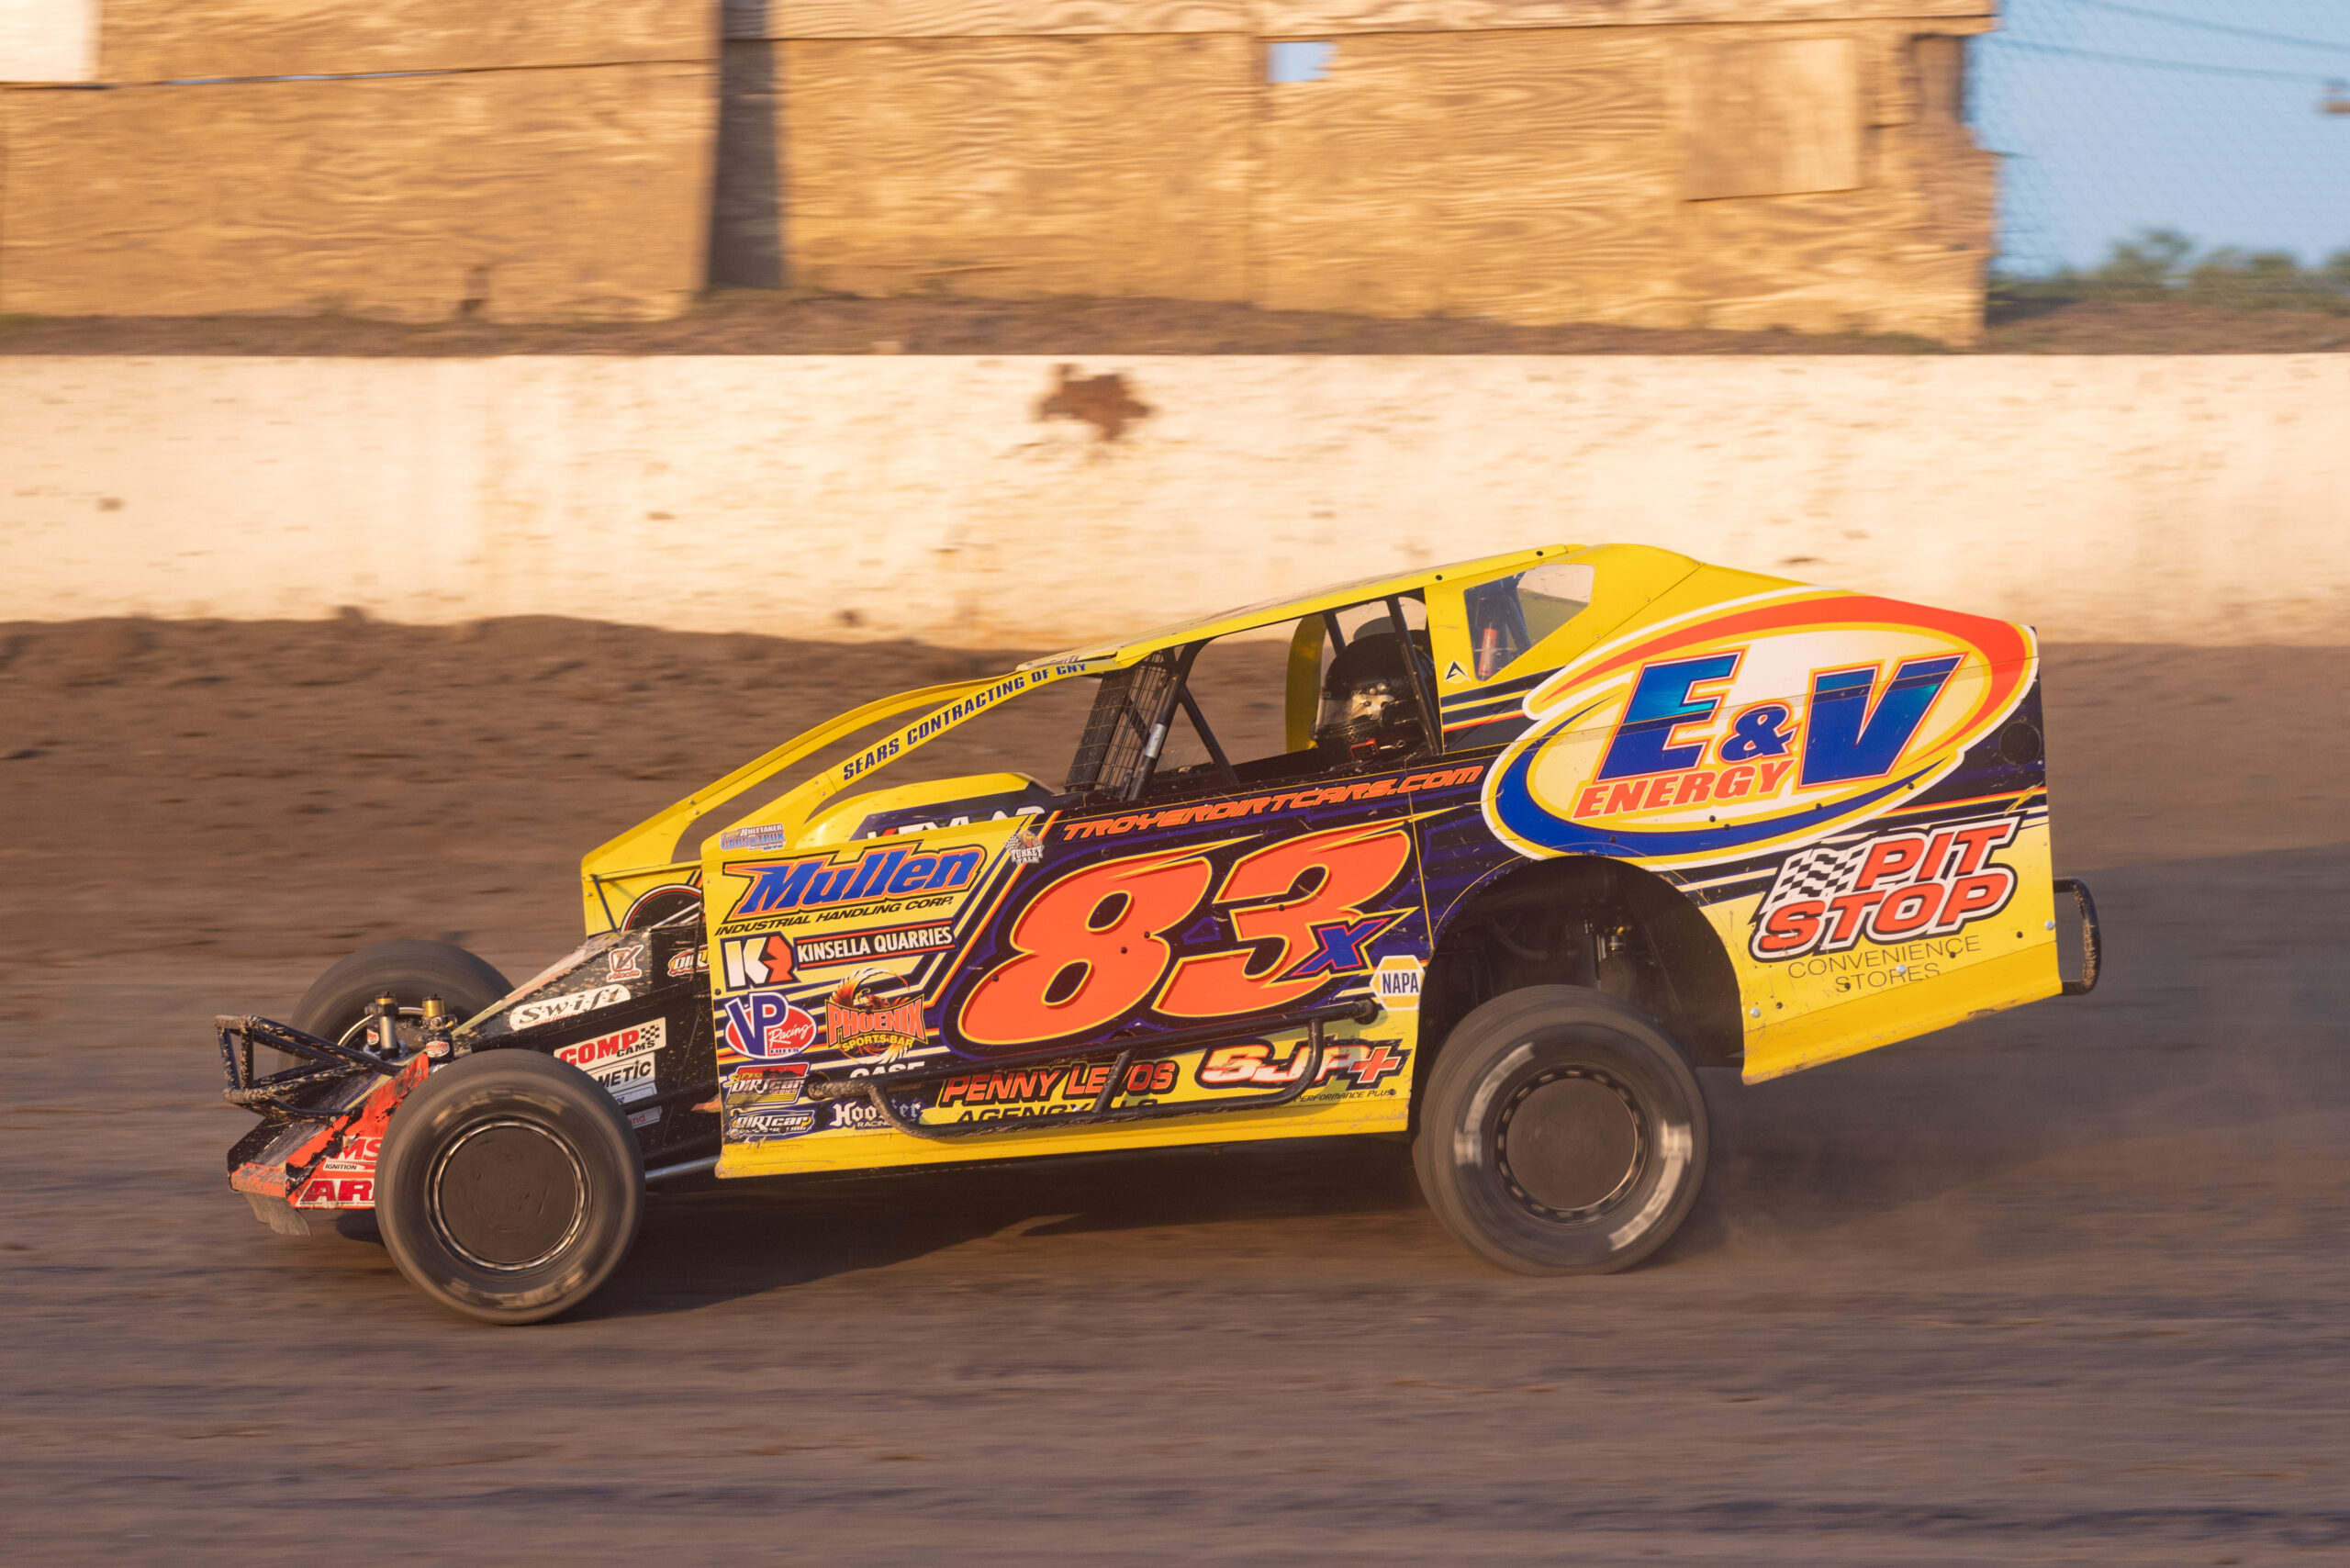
(1758, 727)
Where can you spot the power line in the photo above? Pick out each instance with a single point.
(2178, 21)
(2006, 41)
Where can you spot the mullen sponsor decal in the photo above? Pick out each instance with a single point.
(871, 876)
(1764, 725)
(1897, 887)
(529, 1014)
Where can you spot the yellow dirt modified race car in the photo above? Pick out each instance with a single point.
(1489, 855)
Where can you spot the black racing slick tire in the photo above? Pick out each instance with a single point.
(510, 1187)
(1563, 1133)
(408, 969)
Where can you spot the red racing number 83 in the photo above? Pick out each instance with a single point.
(1091, 948)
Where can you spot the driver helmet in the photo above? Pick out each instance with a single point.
(1369, 710)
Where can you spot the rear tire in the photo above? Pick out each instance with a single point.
(1563, 1133)
(510, 1187)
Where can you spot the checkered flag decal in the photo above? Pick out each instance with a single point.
(1814, 874)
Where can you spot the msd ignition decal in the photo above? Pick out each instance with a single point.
(1893, 888)
(878, 876)
(765, 1026)
(1762, 725)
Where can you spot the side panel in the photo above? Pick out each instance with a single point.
(1026, 935)
(1850, 786)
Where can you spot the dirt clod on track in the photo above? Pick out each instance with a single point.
(2064, 1284)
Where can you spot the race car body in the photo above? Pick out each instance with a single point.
(1681, 813)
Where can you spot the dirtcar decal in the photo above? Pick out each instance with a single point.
(767, 1024)
(765, 1126)
(1762, 725)
(774, 1085)
(692, 961)
(1258, 805)
(868, 1019)
(883, 874)
(1892, 888)
(529, 1014)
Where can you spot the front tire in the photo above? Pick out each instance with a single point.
(1563, 1133)
(510, 1187)
(340, 1000)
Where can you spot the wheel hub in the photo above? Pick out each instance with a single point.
(508, 1195)
(1571, 1142)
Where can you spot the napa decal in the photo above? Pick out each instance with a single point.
(1762, 726)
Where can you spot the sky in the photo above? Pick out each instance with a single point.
(2096, 149)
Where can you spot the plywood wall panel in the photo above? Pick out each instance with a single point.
(1020, 166)
(536, 195)
(1306, 18)
(981, 18)
(1771, 116)
(1522, 176)
(168, 40)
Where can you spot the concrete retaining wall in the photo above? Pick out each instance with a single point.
(2175, 500)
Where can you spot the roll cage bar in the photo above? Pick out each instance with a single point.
(1138, 704)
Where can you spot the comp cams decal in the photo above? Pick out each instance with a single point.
(1763, 726)
(622, 1061)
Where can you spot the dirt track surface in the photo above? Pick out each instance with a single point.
(2069, 1285)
